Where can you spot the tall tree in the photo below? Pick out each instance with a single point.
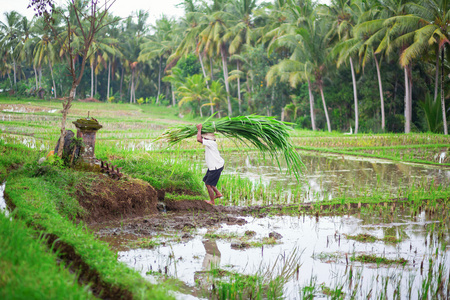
(85, 19)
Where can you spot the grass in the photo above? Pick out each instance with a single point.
(42, 199)
(29, 269)
(372, 258)
(367, 238)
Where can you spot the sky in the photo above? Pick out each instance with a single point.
(121, 8)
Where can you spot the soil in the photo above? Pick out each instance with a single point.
(105, 199)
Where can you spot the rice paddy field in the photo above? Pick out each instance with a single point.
(367, 219)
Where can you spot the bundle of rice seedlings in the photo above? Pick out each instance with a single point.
(265, 133)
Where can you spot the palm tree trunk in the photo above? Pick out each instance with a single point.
(355, 96)
(239, 89)
(132, 85)
(211, 67)
(203, 69)
(121, 83)
(225, 77)
(174, 101)
(311, 106)
(410, 95)
(407, 124)
(444, 115)
(325, 108)
(436, 76)
(95, 83)
(40, 75)
(92, 80)
(53, 78)
(35, 77)
(380, 87)
(109, 80)
(14, 69)
(159, 80)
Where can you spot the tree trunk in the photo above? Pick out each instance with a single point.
(14, 69)
(355, 96)
(159, 80)
(325, 108)
(444, 115)
(225, 77)
(132, 86)
(53, 79)
(109, 80)
(95, 83)
(239, 89)
(35, 77)
(174, 101)
(40, 75)
(211, 67)
(92, 80)
(380, 87)
(66, 106)
(407, 124)
(410, 96)
(203, 69)
(121, 84)
(311, 106)
(436, 76)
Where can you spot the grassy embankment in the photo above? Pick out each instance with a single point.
(41, 196)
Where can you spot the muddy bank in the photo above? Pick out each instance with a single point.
(105, 199)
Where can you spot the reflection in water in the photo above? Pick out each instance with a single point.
(212, 256)
(326, 251)
(332, 176)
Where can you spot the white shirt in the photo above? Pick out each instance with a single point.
(212, 156)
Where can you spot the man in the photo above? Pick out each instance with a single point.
(214, 162)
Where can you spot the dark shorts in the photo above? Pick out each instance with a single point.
(212, 177)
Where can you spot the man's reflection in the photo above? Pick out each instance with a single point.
(212, 257)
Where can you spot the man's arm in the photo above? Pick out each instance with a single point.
(199, 133)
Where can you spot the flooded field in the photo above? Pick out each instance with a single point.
(316, 254)
(327, 177)
(378, 253)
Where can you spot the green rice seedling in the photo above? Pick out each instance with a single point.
(265, 133)
(148, 243)
(372, 258)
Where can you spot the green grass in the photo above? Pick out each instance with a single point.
(372, 258)
(41, 195)
(29, 270)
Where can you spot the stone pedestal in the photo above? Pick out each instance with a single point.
(87, 130)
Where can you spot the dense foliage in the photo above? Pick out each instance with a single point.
(361, 65)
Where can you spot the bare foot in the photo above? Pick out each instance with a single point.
(210, 202)
(218, 196)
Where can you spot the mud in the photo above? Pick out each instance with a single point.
(106, 199)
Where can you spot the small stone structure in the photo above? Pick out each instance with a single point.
(87, 129)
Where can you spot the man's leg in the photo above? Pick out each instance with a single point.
(218, 194)
(210, 193)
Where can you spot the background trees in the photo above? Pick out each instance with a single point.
(265, 58)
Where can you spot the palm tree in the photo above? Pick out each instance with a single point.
(159, 45)
(11, 37)
(344, 19)
(193, 90)
(214, 39)
(397, 35)
(431, 20)
(241, 34)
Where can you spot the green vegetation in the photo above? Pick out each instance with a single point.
(372, 258)
(266, 134)
(27, 262)
(42, 198)
(367, 238)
